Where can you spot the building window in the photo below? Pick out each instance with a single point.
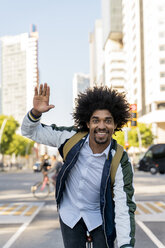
(162, 74)
(117, 70)
(135, 80)
(135, 69)
(162, 88)
(162, 61)
(162, 48)
(117, 79)
(135, 91)
(161, 105)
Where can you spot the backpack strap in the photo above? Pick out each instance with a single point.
(115, 163)
(72, 141)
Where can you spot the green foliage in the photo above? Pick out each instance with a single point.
(12, 142)
(133, 140)
(146, 135)
(20, 146)
(119, 136)
(8, 131)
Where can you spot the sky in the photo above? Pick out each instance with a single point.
(64, 27)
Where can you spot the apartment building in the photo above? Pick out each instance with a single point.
(114, 58)
(132, 49)
(81, 82)
(107, 59)
(19, 72)
(144, 45)
(96, 55)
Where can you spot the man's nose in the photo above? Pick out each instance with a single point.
(101, 125)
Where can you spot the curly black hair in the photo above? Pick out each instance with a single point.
(98, 98)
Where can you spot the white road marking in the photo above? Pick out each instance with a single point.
(150, 211)
(154, 239)
(23, 227)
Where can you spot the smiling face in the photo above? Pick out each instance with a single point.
(101, 127)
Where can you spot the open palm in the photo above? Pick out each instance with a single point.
(41, 99)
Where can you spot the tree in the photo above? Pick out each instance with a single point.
(145, 132)
(8, 131)
(146, 135)
(20, 146)
(119, 136)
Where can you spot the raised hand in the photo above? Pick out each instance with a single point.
(41, 100)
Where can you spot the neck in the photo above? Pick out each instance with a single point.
(97, 148)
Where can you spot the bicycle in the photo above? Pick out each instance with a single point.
(43, 188)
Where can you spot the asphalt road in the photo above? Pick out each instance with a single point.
(31, 223)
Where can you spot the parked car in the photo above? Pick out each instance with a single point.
(37, 167)
(153, 160)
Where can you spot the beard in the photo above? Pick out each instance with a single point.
(101, 140)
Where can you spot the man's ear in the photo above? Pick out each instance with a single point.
(87, 123)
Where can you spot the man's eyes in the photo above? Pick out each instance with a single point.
(95, 121)
(108, 121)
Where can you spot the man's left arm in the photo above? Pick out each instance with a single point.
(124, 203)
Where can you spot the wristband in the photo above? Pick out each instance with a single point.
(33, 117)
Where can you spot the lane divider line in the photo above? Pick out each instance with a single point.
(150, 234)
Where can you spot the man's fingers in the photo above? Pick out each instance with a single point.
(45, 89)
(48, 91)
(41, 89)
(36, 91)
(50, 107)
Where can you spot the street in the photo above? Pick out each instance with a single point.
(28, 222)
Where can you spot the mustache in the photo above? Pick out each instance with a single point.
(101, 130)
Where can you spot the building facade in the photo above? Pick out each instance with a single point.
(114, 58)
(81, 82)
(96, 55)
(19, 72)
(144, 45)
(134, 84)
(131, 41)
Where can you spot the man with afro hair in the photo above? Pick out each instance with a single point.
(85, 196)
